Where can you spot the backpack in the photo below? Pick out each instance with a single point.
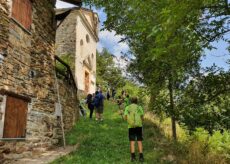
(133, 117)
(96, 101)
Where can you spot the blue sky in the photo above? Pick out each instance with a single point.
(110, 41)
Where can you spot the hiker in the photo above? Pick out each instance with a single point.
(99, 104)
(119, 102)
(82, 110)
(134, 116)
(126, 101)
(89, 102)
(122, 92)
(113, 93)
(108, 94)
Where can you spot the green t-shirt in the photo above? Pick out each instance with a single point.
(127, 102)
(134, 113)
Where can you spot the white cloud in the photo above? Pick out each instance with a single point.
(99, 47)
(110, 41)
(61, 4)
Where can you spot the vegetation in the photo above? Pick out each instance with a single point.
(108, 75)
(168, 39)
(107, 142)
(68, 59)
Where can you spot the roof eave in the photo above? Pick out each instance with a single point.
(74, 2)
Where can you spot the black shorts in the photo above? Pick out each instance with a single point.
(135, 134)
(99, 109)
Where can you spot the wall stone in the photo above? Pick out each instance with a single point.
(66, 37)
(69, 99)
(28, 69)
(4, 35)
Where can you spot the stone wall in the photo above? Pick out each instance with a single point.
(4, 34)
(4, 23)
(66, 37)
(65, 42)
(69, 101)
(27, 69)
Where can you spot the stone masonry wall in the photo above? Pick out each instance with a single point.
(69, 101)
(4, 34)
(28, 69)
(66, 39)
(66, 36)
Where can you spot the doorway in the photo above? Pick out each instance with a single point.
(15, 118)
(86, 82)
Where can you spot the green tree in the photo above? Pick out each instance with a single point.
(205, 101)
(108, 75)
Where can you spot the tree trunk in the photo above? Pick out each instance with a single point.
(173, 120)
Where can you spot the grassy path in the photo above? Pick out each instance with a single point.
(107, 141)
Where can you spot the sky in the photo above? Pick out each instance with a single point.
(110, 41)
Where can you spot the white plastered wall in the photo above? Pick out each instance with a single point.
(88, 49)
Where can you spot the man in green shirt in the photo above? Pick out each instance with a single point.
(134, 116)
(127, 101)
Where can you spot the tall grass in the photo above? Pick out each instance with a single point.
(197, 148)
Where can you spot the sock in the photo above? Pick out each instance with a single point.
(133, 155)
(141, 155)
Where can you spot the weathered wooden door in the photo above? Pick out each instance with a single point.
(86, 82)
(15, 118)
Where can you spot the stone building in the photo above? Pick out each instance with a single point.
(77, 36)
(29, 120)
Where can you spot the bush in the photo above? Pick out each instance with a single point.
(206, 148)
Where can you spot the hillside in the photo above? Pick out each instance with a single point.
(107, 142)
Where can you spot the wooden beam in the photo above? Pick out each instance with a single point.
(12, 94)
(61, 61)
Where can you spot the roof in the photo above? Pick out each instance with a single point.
(74, 2)
(61, 14)
(63, 10)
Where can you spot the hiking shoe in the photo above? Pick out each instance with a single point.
(141, 159)
(133, 158)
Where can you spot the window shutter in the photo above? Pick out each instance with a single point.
(22, 12)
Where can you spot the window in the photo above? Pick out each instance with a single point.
(92, 56)
(81, 48)
(87, 38)
(86, 82)
(22, 12)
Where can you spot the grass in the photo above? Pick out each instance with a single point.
(107, 142)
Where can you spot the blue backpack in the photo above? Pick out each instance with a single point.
(96, 101)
